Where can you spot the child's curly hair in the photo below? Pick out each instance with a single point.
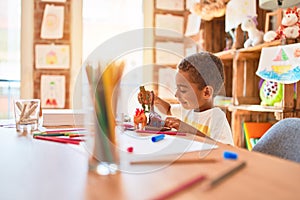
(205, 69)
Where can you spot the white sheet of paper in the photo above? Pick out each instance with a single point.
(234, 16)
(170, 145)
(280, 63)
(52, 56)
(53, 89)
(193, 25)
(53, 22)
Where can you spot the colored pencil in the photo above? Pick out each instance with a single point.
(60, 140)
(162, 132)
(177, 161)
(226, 175)
(75, 130)
(182, 187)
(49, 134)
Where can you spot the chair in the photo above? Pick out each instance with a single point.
(282, 140)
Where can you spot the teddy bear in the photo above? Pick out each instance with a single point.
(289, 28)
(255, 36)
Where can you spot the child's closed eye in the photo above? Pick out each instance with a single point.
(181, 90)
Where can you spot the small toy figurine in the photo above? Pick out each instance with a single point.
(145, 95)
(139, 118)
(154, 118)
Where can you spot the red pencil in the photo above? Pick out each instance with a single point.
(65, 130)
(181, 187)
(61, 140)
(161, 132)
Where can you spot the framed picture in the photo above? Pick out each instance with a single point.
(53, 22)
(53, 91)
(52, 56)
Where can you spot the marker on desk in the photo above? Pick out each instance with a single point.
(230, 155)
(158, 138)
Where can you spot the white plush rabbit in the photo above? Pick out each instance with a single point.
(255, 36)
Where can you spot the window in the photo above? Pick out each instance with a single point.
(10, 26)
(102, 20)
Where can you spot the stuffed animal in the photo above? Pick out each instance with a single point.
(289, 28)
(255, 36)
(270, 93)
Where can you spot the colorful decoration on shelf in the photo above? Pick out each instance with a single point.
(289, 28)
(280, 63)
(139, 118)
(209, 9)
(255, 36)
(271, 93)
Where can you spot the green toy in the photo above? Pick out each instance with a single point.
(270, 93)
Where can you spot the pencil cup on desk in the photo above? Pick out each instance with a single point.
(104, 93)
(27, 114)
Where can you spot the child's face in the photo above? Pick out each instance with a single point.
(188, 93)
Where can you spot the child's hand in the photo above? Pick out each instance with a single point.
(172, 122)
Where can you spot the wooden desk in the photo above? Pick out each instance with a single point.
(34, 169)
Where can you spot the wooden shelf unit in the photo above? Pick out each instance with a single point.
(245, 91)
(169, 38)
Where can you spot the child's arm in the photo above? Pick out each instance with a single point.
(162, 105)
(181, 126)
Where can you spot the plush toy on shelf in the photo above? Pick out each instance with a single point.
(289, 28)
(270, 93)
(255, 36)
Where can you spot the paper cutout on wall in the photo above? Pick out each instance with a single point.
(234, 16)
(53, 22)
(280, 63)
(53, 89)
(52, 56)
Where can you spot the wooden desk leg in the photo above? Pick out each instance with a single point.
(236, 126)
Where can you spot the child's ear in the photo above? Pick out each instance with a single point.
(208, 92)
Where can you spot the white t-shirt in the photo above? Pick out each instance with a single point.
(212, 122)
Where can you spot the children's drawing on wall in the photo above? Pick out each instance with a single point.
(280, 63)
(53, 91)
(53, 22)
(52, 56)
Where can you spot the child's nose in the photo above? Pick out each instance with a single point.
(177, 94)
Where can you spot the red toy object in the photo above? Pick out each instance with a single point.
(289, 28)
(130, 149)
(139, 118)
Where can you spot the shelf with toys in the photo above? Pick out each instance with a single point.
(246, 100)
(248, 89)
